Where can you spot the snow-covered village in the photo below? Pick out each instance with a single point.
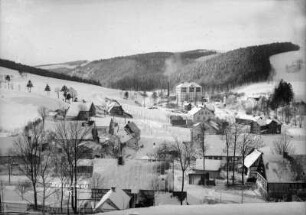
(151, 123)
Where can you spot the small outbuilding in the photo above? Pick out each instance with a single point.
(114, 199)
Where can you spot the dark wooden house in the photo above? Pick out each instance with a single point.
(81, 111)
(266, 126)
(282, 177)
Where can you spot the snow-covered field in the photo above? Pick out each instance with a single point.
(284, 208)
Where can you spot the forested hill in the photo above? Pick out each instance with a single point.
(234, 68)
(21, 68)
(152, 70)
(212, 70)
(139, 72)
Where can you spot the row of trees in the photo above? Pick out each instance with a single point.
(33, 70)
(238, 141)
(46, 154)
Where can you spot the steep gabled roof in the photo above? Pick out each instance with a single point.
(251, 158)
(76, 107)
(278, 169)
(115, 199)
(194, 111)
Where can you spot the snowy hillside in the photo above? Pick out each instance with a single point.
(282, 65)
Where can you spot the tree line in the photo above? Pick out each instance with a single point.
(21, 68)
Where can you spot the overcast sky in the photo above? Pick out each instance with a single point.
(40, 32)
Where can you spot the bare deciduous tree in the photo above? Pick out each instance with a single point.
(29, 149)
(70, 136)
(283, 145)
(43, 113)
(235, 131)
(185, 153)
(246, 144)
(200, 142)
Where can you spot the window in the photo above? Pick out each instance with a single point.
(191, 89)
(198, 89)
(183, 90)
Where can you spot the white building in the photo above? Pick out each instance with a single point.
(188, 91)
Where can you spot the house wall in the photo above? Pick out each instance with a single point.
(83, 115)
(188, 95)
(286, 190)
(202, 115)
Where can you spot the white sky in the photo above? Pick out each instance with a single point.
(50, 31)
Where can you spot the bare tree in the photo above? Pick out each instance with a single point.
(235, 131)
(227, 133)
(70, 136)
(57, 90)
(43, 113)
(246, 144)
(200, 142)
(184, 154)
(283, 145)
(61, 171)
(45, 172)
(22, 188)
(28, 147)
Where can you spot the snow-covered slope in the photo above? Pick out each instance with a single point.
(285, 67)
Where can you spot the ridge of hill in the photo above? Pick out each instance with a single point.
(214, 71)
(22, 68)
(150, 71)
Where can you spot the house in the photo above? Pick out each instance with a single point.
(266, 126)
(134, 174)
(283, 177)
(201, 114)
(177, 120)
(130, 135)
(188, 91)
(216, 150)
(81, 111)
(187, 106)
(114, 108)
(114, 199)
(260, 124)
(85, 167)
(200, 176)
(252, 163)
(101, 125)
(211, 128)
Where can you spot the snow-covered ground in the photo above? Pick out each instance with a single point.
(284, 208)
(280, 63)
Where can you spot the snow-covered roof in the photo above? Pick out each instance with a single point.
(118, 198)
(101, 122)
(124, 136)
(132, 127)
(85, 162)
(194, 110)
(76, 107)
(210, 107)
(251, 158)
(188, 84)
(210, 165)
(134, 174)
(278, 169)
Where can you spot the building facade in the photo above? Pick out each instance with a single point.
(189, 92)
